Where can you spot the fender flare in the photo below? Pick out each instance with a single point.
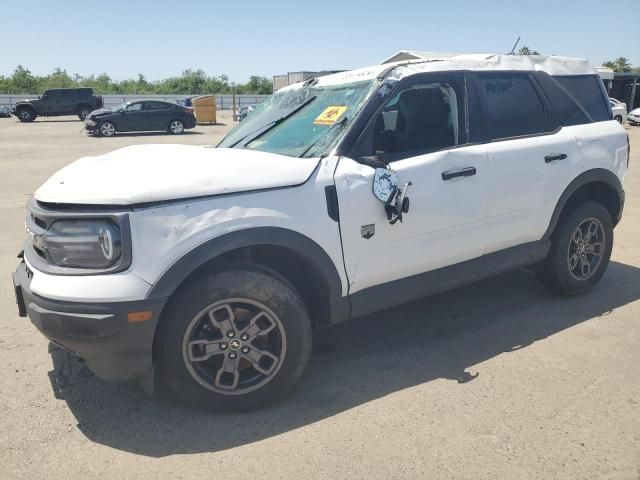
(600, 175)
(302, 245)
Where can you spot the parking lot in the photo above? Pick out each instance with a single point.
(497, 379)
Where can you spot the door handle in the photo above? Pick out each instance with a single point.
(463, 172)
(555, 156)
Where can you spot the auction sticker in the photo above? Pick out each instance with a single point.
(330, 115)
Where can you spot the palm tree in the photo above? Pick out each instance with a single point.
(527, 51)
(620, 64)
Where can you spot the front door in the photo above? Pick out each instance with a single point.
(133, 118)
(422, 132)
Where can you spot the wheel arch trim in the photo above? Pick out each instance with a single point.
(298, 243)
(596, 175)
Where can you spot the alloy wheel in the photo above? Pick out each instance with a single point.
(234, 346)
(586, 248)
(176, 127)
(107, 129)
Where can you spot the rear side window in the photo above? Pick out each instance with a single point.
(587, 91)
(567, 108)
(513, 106)
(157, 106)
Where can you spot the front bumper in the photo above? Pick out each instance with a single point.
(633, 119)
(91, 128)
(114, 347)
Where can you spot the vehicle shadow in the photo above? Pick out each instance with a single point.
(42, 120)
(364, 360)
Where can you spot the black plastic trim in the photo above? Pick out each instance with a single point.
(294, 241)
(114, 349)
(590, 176)
(333, 209)
(407, 289)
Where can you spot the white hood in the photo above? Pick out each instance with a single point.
(150, 173)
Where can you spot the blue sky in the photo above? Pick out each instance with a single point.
(162, 38)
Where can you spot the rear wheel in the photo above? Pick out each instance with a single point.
(618, 118)
(234, 340)
(176, 127)
(580, 250)
(107, 129)
(26, 114)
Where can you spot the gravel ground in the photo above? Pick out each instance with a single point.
(495, 380)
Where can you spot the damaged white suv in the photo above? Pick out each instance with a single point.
(208, 269)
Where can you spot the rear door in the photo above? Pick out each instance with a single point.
(158, 115)
(68, 99)
(530, 158)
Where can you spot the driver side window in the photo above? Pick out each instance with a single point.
(420, 119)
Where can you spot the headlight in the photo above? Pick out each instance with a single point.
(83, 243)
(90, 122)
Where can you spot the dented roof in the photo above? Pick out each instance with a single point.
(553, 65)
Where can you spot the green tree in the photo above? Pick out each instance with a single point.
(22, 81)
(620, 64)
(58, 79)
(190, 82)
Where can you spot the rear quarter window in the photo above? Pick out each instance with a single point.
(587, 90)
(567, 108)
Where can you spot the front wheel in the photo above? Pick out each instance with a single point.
(580, 250)
(26, 115)
(107, 129)
(234, 340)
(176, 127)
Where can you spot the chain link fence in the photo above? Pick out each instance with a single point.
(223, 102)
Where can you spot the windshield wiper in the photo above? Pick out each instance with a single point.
(271, 124)
(341, 123)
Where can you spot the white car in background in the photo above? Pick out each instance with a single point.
(619, 110)
(633, 118)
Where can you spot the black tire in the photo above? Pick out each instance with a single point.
(106, 129)
(83, 112)
(26, 114)
(618, 118)
(196, 381)
(556, 272)
(176, 127)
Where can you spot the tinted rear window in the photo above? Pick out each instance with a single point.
(569, 112)
(514, 108)
(587, 90)
(157, 106)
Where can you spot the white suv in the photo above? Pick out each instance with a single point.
(208, 269)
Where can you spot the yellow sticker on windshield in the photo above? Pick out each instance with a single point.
(330, 115)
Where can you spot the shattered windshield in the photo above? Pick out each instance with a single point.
(305, 121)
